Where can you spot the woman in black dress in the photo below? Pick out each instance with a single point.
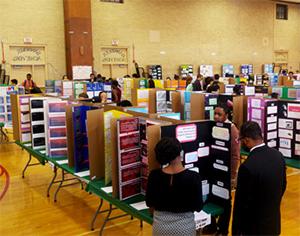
(173, 192)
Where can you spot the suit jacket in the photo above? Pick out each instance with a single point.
(260, 187)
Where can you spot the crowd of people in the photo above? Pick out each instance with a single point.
(174, 193)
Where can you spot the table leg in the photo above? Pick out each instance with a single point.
(60, 184)
(26, 166)
(105, 220)
(96, 214)
(52, 181)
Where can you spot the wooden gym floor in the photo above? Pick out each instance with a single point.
(25, 209)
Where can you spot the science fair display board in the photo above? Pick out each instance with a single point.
(206, 150)
(130, 146)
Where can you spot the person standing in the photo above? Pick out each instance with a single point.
(260, 186)
(221, 114)
(173, 192)
(116, 91)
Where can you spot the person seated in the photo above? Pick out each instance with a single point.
(65, 77)
(124, 103)
(14, 82)
(173, 192)
(28, 83)
(83, 96)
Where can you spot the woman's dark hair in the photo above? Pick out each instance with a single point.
(115, 83)
(251, 129)
(216, 77)
(151, 83)
(167, 149)
(226, 109)
(237, 89)
(124, 103)
(207, 81)
(213, 88)
(14, 81)
(274, 95)
(83, 95)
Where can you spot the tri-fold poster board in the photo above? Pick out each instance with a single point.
(206, 150)
(280, 123)
(202, 106)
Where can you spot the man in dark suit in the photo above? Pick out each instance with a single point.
(260, 186)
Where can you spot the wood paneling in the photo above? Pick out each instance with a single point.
(78, 33)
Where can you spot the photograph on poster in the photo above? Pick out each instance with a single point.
(285, 123)
(298, 125)
(272, 143)
(285, 152)
(38, 129)
(191, 157)
(130, 141)
(203, 151)
(37, 103)
(220, 191)
(131, 173)
(57, 132)
(220, 133)
(271, 119)
(38, 142)
(283, 133)
(272, 135)
(186, 133)
(130, 189)
(293, 110)
(128, 125)
(272, 110)
(272, 126)
(256, 114)
(285, 143)
(130, 157)
(297, 139)
(58, 153)
(57, 107)
(57, 121)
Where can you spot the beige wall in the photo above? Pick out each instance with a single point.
(43, 21)
(234, 31)
(198, 32)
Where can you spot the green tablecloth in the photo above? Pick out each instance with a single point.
(95, 187)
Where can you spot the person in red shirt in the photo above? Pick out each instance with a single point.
(28, 83)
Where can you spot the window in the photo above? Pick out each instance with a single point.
(113, 1)
(281, 12)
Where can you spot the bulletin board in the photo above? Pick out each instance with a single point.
(26, 59)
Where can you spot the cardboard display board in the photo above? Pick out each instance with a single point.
(56, 129)
(5, 103)
(132, 144)
(37, 118)
(54, 87)
(21, 117)
(202, 106)
(207, 151)
(264, 112)
(289, 128)
(95, 132)
(108, 145)
(81, 151)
